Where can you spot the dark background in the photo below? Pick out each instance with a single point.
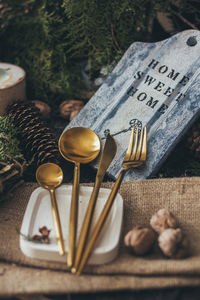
(181, 162)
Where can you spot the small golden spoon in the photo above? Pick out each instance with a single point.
(78, 145)
(50, 176)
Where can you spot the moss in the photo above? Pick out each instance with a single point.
(9, 143)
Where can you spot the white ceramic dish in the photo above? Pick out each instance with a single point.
(38, 214)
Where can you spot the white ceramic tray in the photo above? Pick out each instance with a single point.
(38, 214)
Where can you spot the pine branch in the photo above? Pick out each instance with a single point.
(114, 38)
(51, 39)
(185, 20)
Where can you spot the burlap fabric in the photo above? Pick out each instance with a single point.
(141, 200)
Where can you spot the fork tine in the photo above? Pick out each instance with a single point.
(130, 146)
(144, 146)
(137, 157)
(135, 146)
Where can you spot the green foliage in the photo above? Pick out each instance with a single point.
(180, 163)
(9, 144)
(51, 40)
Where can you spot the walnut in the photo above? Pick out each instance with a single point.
(162, 220)
(44, 108)
(183, 248)
(173, 243)
(169, 239)
(140, 240)
(70, 108)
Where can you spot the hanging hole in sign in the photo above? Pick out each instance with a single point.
(192, 41)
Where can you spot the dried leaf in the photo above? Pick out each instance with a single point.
(44, 231)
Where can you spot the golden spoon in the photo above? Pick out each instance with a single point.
(50, 176)
(78, 145)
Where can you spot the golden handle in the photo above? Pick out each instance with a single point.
(86, 225)
(57, 222)
(73, 215)
(100, 222)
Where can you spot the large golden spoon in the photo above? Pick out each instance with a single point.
(50, 176)
(78, 145)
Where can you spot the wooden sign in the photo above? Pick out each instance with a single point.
(155, 85)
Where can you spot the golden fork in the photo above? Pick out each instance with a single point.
(135, 157)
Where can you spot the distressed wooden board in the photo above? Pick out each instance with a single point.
(155, 85)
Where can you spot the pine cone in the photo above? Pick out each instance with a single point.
(193, 140)
(36, 139)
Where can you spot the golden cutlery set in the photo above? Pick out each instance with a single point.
(82, 145)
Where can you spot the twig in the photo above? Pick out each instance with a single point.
(114, 38)
(19, 166)
(184, 20)
(27, 237)
(3, 137)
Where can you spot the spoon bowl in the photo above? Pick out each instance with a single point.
(50, 176)
(78, 145)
